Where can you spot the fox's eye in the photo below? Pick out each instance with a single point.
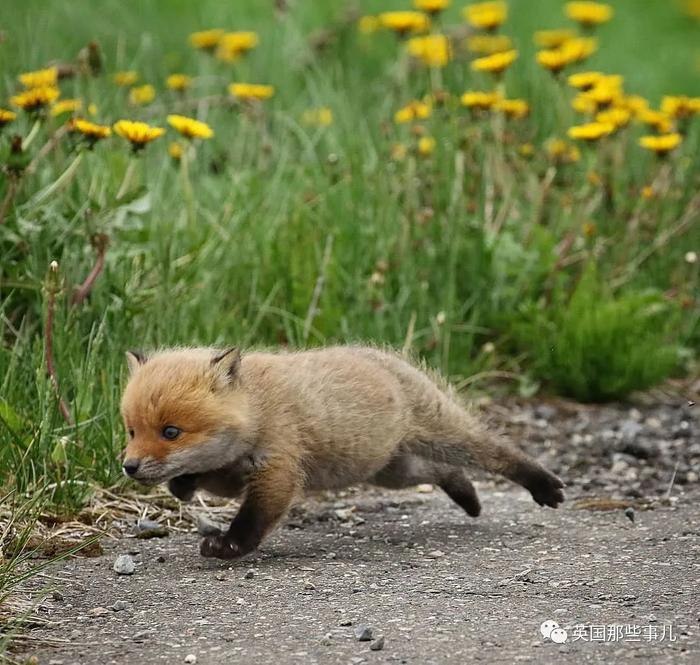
(131, 433)
(171, 432)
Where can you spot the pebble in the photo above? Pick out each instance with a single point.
(98, 612)
(435, 554)
(58, 596)
(249, 574)
(124, 565)
(629, 513)
(378, 644)
(363, 633)
(346, 622)
(205, 527)
(221, 577)
(190, 658)
(160, 558)
(119, 605)
(145, 524)
(142, 635)
(424, 488)
(309, 586)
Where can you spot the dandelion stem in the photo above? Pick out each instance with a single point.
(81, 292)
(12, 187)
(128, 174)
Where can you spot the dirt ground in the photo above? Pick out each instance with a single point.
(438, 586)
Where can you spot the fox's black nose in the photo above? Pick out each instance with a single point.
(131, 466)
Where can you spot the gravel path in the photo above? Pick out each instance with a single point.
(438, 586)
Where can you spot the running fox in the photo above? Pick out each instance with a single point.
(272, 425)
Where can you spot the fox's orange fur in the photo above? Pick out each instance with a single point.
(272, 425)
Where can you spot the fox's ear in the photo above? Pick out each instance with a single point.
(228, 363)
(134, 359)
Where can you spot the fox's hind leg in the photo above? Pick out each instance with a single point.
(406, 470)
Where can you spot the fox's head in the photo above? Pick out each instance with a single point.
(185, 412)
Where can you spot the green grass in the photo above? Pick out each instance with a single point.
(451, 256)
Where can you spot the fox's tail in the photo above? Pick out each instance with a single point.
(452, 435)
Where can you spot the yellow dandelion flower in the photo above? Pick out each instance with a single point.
(251, 91)
(553, 59)
(404, 22)
(431, 6)
(661, 145)
(235, 44)
(589, 14)
(607, 91)
(206, 40)
(40, 78)
(426, 146)
(496, 63)
(175, 151)
(66, 106)
(618, 117)
(477, 99)
(35, 98)
(178, 82)
(526, 150)
(486, 15)
(659, 120)
(584, 80)
(562, 152)
(319, 117)
(680, 106)
(125, 78)
(142, 95)
(489, 44)
(647, 192)
(189, 127)
(579, 49)
(692, 8)
(92, 109)
(584, 104)
(592, 131)
(90, 130)
(635, 104)
(6, 117)
(433, 50)
(513, 108)
(415, 110)
(551, 39)
(137, 133)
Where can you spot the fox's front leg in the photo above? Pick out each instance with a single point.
(269, 494)
(183, 487)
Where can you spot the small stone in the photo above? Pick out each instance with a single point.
(249, 574)
(378, 644)
(435, 554)
(345, 622)
(629, 513)
(190, 658)
(363, 633)
(98, 612)
(146, 528)
(124, 565)
(142, 635)
(205, 527)
(221, 577)
(424, 488)
(119, 605)
(309, 586)
(58, 596)
(160, 558)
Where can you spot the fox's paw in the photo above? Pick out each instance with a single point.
(221, 546)
(546, 488)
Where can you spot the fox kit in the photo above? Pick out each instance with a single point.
(271, 425)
